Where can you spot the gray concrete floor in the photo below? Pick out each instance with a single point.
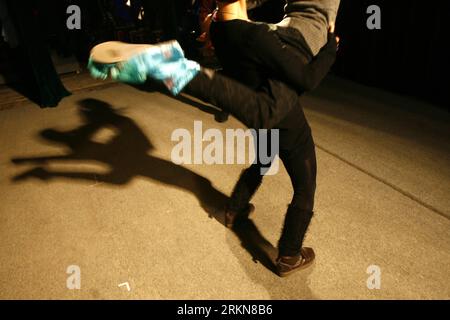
(126, 213)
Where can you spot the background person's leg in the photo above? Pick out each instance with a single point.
(239, 207)
(251, 178)
(245, 188)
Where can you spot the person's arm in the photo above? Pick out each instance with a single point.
(288, 65)
(314, 72)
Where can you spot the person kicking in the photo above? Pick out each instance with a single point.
(259, 100)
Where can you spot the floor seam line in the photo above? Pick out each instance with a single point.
(392, 186)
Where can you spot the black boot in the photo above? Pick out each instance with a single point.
(296, 223)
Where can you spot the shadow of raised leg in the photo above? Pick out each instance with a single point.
(40, 159)
(38, 172)
(152, 86)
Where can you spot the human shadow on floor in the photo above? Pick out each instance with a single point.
(153, 86)
(128, 156)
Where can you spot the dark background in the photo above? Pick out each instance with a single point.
(409, 55)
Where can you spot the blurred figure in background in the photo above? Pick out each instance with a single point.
(39, 80)
(206, 7)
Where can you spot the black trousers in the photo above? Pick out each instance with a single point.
(301, 167)
(263, 103)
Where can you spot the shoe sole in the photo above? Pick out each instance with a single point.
(112, 52)
(303, 267)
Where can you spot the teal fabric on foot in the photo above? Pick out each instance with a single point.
(165, 62)
(176, 75)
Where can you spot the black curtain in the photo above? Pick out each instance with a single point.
(38, 75)
(161, 15)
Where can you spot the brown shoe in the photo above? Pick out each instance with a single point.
(288, 265)
(232, 217)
